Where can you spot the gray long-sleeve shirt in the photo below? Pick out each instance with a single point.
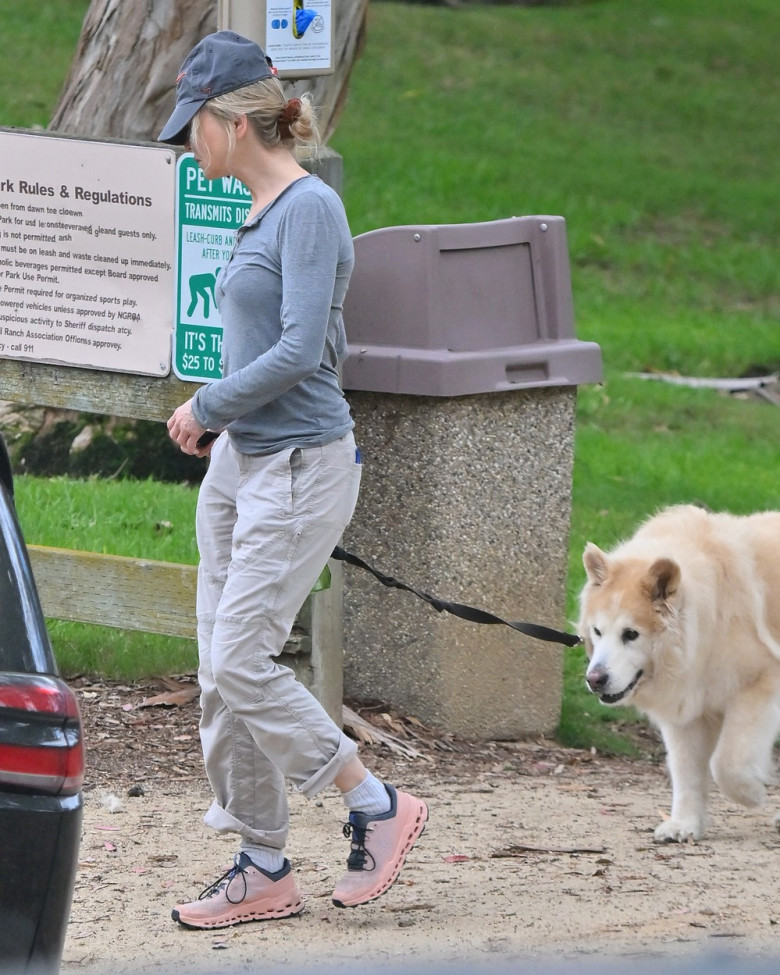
(280, 298)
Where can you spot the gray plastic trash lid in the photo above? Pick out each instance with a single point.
(455, 309)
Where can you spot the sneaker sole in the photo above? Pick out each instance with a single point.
(414, 834)
(289, 910)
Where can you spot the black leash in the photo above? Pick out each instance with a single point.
(457, 609)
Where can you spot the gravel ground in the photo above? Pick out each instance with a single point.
(532, 853)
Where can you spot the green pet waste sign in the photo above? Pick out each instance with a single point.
(208, 214)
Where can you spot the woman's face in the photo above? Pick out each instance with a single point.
(210, 144)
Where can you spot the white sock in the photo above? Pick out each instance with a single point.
(265, 857)
(370, 797)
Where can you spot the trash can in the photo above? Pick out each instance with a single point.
(462, 375)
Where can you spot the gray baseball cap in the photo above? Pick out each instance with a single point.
(220, 63)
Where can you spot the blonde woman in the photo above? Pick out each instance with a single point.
(281, 486)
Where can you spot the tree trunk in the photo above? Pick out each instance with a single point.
(122, 82)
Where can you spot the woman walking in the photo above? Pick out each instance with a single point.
(281, 487)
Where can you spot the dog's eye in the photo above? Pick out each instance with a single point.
(629, 636)
(596, 631)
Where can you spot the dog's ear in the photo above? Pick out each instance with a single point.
(663, 580)
(596, 564)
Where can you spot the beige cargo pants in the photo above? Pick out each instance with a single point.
(265, 526)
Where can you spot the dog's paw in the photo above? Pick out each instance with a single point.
(678, 831)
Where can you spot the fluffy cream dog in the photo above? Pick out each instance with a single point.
(683, 621)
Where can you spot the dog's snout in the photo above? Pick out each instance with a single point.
(597, 678)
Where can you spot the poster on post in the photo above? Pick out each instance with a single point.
(299, 37)
(86, 252)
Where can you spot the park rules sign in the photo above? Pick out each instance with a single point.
(86, 246)
(208, 214)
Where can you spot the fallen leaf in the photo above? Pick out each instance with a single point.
(171, 699)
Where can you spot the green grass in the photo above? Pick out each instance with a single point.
(144, 519)
(650, 126)
(647, 125)
(124, 655)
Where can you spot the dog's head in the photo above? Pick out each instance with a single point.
(626, 607)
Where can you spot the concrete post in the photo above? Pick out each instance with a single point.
(468, 499)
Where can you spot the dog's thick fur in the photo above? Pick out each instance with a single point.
(683, 621)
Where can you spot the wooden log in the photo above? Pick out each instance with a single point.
(129, 593)
(113, 590)
(92, 390)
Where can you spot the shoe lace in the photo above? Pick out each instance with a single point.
(224, 882)
(359, 857)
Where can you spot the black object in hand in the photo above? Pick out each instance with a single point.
(206, 439)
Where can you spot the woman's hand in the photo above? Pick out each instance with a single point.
(185, 430)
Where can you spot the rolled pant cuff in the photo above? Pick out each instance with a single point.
(222, 821)
(324, 777)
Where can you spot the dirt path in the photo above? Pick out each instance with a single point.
(531, 851)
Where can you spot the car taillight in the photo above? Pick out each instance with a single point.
(41, 744)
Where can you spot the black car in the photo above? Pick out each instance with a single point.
(41, 765)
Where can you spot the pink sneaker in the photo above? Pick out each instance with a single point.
(380, 845)
(244, 893)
